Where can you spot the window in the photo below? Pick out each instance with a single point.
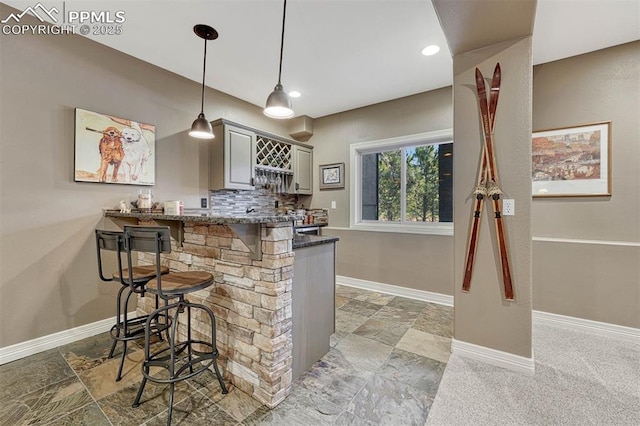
(403, 184)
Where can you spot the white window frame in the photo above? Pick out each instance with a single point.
(356, 150)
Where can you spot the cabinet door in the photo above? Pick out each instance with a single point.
(302, 182)
(239, 158)
(313, 305)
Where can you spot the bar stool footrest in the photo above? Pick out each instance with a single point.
(183, 361)
(135, 328)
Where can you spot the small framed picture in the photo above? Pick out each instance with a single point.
(332, 176)
(572, 161)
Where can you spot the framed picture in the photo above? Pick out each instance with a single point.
(572, 161)
(110, 149)
(332, 176)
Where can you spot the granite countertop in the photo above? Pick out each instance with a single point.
(208, 218)
(300, 241)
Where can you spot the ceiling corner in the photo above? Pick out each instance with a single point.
(472, 24)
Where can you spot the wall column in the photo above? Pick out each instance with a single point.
(483, 317)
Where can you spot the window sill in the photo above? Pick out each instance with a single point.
(434, 229)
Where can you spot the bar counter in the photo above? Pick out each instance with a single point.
(251, 258)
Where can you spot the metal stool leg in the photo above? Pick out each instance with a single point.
(145, 366)
(124, 330)
(159, 333)
(121, 328)
(214, 348)
(113, 346)
(171, 390)
(118, 321)
(219, 376)
(189, 350)
(136, 402)
(124, 354)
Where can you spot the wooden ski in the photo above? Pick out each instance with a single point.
(480, 191)
(493, 190)
(488, 186)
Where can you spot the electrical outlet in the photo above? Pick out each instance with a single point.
(508, 207)
(203, 203)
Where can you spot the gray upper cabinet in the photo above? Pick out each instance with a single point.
(302, 182)
(237, 150)
(233, 157)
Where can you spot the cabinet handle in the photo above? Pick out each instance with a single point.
(252, 180)
(297, 186)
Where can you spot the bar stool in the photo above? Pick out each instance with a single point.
(133, 281)
(182, 359)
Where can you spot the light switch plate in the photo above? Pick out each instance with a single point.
(333, 205)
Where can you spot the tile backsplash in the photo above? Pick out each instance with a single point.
(262, 200)
(227, 202)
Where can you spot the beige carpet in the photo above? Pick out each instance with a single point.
(580, 379)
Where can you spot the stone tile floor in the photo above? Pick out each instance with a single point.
(384, 367)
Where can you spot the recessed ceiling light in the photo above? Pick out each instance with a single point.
(294, 94)
(430, 50)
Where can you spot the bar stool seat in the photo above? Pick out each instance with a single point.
(133, 282)
(183, 358)
(181, 282)
(140, 274)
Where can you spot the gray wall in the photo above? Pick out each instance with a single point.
(596, 273)
(333, 134)
(48, 272)
(599, 282)
(422, 262)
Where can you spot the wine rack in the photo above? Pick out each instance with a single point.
(273, 155)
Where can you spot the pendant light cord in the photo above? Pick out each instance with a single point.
(204, 71)
(284, 15)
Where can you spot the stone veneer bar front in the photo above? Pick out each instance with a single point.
(251, 296)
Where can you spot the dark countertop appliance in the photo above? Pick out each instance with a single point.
(308, 229)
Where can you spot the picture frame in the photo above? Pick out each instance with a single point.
(331, 176)
(572, 161)
(113, 150)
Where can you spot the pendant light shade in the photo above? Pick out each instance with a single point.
(201, 128)
(278, 103)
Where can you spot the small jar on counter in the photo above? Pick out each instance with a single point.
(145, 200)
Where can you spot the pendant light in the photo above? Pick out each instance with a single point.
(201, 128)
(278, 103)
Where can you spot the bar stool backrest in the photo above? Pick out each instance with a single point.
(148, 239)
(110, 241)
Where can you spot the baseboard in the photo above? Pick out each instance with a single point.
(394, 290)
(44, 343)
(620, 332)
(505, 360)
(591, 242)
(628, 334)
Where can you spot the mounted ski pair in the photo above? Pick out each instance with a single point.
(487, 186)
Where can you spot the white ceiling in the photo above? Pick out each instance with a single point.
(340, 54)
